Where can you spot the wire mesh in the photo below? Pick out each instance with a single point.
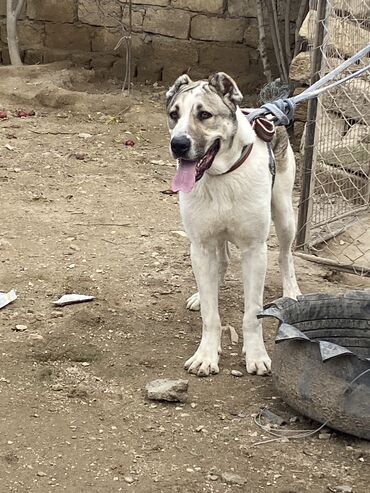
(338, 214)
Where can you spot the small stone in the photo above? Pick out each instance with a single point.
(213, 477)
(343, 488)
(20, 328)
(129, 479)
(36, 337)
(57, 387)
(232, 478)
(236, 373)
(85, 363)
(324, 436)
(41, 473)
(199, 428)
(84, 135)
(165, 389)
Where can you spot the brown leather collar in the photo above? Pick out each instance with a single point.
(246, 151)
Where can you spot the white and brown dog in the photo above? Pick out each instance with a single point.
(210, 136)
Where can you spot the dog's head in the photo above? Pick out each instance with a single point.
(202, 122)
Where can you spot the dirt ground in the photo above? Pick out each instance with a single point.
(88, 214)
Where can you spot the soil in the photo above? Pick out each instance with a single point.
(90, 215)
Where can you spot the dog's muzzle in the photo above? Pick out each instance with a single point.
(180, 146)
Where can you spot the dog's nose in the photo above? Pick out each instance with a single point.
(180, 146)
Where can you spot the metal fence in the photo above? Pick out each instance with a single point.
(334, 215)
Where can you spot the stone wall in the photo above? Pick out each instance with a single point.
(169, 36)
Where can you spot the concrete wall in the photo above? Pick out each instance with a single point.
(169, 36)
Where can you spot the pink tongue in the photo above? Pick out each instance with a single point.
(184, 179)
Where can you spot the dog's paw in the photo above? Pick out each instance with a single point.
(202, 363)
(193, 303)
(257, 362)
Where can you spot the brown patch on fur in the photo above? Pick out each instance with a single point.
(279, 145)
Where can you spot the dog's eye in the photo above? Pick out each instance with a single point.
(174, 115)
(204, 115)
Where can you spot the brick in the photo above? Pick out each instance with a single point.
(52, 10)
(210, 6)
(92, 12)
(70, 37)
(173, 23)
(160, 3)
(217, 28)
(240, 8)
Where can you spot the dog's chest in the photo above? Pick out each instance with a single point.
(230, 209)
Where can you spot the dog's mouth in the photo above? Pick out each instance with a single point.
(190, 171)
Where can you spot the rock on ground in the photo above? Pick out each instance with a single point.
(165, 389)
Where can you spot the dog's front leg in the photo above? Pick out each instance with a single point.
(254, 260)
(206, 270)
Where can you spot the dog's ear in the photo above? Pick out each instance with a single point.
(179, 82)
(226, 87)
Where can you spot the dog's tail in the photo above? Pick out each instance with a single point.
(277, 89)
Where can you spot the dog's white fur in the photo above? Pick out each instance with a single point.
(236, 208)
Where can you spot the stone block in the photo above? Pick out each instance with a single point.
(174, 23)
(352, 100)
(104, 40)
(99, 13)
(52, 10)
(300, 114)
(137, 19)
(251, 35)
(345, 37)
(240, 8)
(180, 52)
(31, 35)
(232, 59)
(358, 9)
(356, 134)
(217, 28)
(104, 61)
(209, 6)
(149, 70)
(160, 3)
(71, 37)
(34, 57)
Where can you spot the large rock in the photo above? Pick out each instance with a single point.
(357, 8)
(92, 12)
(173, 23)
(165, 389)
(356, 134)
(344, 36)
(71, 37)
(331, 129)
(52, 10)
(352, 99)
(245, 8)
(211, 6)
(208, 28)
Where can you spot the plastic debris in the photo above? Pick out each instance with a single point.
(69, 299)
(6, 298)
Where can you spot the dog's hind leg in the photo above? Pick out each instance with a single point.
(254, 261)
(284, 220)
(193, 303)
(205, 264)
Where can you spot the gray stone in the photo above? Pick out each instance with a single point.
(351, 99)
(173, 23)
(217, 28)
(92, 12)
(346, 37)
(232, 478)
(343, 488)
(53, 10)
(251, 35)
(356, 134)
(165, 389)
(246, 8)
(358, 9)
(161, 3)
(211, 6)
(71, 37)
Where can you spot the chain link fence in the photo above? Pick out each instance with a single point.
(334, 216)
